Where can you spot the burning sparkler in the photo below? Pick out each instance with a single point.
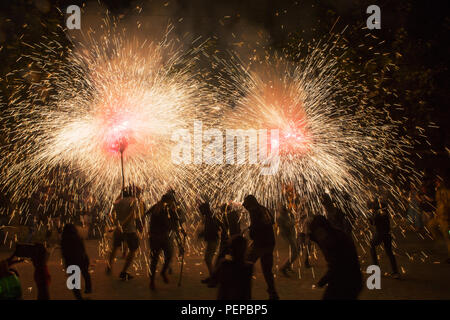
(113, 97)
(331, 139)
(117, 98)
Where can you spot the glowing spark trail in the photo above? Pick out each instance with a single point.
(331, 138)
(114, 93)
(110, 93)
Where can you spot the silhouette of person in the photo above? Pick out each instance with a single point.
(335, 215)
(343, 275)
(234, 274)
(229, 224)
(262, 234)
(382, 234)
(39, 256)
(303, 240)
(210, 234)
(231, 219)
(164, 227)
(286, 223)
(126, 212)
(74, 253)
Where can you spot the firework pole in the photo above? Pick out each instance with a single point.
(123, 175)
(122, 144)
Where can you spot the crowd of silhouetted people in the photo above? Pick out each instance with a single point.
(231, 246)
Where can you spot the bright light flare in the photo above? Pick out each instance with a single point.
(111, 94)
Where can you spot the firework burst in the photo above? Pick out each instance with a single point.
(331, 139)
(115, 94)
(110, 93)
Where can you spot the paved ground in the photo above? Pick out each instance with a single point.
(424, 276)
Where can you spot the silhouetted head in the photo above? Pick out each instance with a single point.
(171, 192)
(378, 205)
(250, 202)
(69, 230)
(318, 228)
(205, 209)
(69, 233)
(168, 197)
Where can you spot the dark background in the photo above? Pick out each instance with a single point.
(415, 33)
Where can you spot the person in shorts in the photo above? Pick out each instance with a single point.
(125, 214)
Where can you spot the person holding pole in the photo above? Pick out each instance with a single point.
(125, 212)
